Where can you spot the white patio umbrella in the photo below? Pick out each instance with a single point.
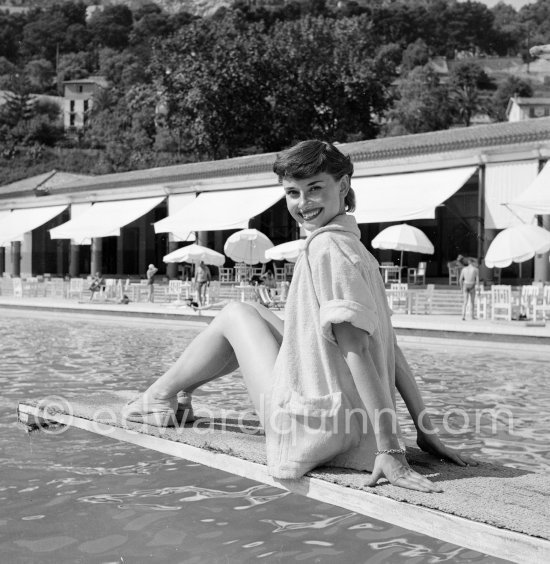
(402, 238)
(248, 246)
(195, 254)
(287, 251)
(517, 244)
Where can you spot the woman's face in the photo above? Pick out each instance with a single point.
(315, 201)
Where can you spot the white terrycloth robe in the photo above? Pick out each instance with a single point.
(311, 408)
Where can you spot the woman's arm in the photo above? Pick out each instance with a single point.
(427, 438)
(354, 345)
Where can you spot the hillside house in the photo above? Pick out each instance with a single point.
(78, 100)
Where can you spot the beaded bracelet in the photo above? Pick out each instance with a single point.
(391, 451)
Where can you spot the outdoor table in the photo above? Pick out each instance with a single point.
(387, 271)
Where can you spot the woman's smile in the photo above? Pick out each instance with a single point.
(308, 215)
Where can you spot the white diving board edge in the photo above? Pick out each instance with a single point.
(491, 540)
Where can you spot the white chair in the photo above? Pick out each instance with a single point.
(501, 302)
(543, 307)
(417, 275)
(454, 275)
(483, 299)
(279, 274)
(242, 272)
(289, 270)
(76, 286)
(528, 298)
(225, 274)
(17, 287)
(56, 288)
(398, 295)
(110, 288)
(174, 289)
(267, 300)
(429, 297)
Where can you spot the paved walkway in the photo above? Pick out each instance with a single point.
(407, 326)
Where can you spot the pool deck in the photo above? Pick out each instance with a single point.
(408, 327)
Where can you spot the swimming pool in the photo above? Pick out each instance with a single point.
(78, 497)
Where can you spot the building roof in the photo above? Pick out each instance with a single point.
(40, 184)
(531, 101)
(98, 80)
(388, 148)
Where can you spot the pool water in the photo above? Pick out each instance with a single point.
(78, 497)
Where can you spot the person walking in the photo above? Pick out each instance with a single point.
(323, 382)
(150, 274)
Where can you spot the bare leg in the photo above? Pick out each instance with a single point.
(241, 335)
(473, 303)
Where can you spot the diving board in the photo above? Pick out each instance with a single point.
(493, 509)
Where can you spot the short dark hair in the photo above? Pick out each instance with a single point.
(312, 157)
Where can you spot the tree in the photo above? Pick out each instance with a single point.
(77, 38)
(73, 66)
(40, 74)
(416, 54)
(509, 29)
(19, 103)
(150, 26)
(112, 26)
(507, 89)
(123, 69)
(466, 82)
(11, 31)
(319, 87)
(210, 78)
(43, 35)
(535, 19)
(422, 104)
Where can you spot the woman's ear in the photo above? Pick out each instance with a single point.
(344, 185)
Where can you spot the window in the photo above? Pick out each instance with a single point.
(531, 112)
(80, 88)
(71, 120)
(86, 105)
(71, 106)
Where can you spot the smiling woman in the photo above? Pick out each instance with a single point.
(324, 382)
(316, 178)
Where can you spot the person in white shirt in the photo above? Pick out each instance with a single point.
(324, 381)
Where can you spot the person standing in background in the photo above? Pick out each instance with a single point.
(468, 280)
(202, 281)
(151, 271)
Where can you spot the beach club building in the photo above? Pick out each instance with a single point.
(460, 186)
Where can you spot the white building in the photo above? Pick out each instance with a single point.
(79, 98)
(527, 108)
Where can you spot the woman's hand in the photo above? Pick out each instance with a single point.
(430, 442)
(396, 470)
